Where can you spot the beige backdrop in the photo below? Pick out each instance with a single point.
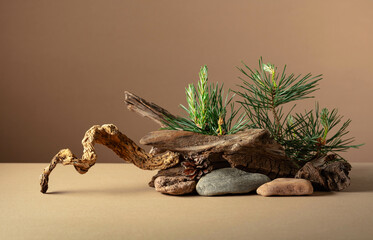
(64, 65)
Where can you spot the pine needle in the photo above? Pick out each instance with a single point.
(207, 110)
(304, 136)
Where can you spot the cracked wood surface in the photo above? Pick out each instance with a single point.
(327, 174)
(252, 150)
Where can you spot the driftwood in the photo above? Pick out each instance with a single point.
(326, 174)
(110, 136)
(147, 109)
(178, 170)
(252, 150)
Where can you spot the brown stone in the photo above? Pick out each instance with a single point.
(286, 187)
(169, 172)
(174, 185)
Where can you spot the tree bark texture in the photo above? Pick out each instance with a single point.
(252, 150)
(326, 174)
(147, 109)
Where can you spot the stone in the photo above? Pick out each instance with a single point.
(286, 187)
(229, 181)
(174, 185)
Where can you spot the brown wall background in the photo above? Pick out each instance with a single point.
(65, 64)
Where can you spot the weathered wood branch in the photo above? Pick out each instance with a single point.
(252, 150)
(326, 174)
(147, 109)
(110, 136)
(190, 142)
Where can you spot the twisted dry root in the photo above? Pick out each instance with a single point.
(110, 136)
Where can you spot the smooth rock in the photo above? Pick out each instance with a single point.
(174, 185)
(286, 187)
(229, 181)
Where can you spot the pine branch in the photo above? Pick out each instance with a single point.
(304, 136)
(207, 110)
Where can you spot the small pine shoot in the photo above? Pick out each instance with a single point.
(207, 110)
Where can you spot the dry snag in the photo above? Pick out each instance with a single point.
(252, 150)
(109, 136)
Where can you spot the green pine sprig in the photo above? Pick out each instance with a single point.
(304, 136)
(316, 133)
(208, 110)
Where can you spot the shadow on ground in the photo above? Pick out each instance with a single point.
(361, 179)
(112, 191)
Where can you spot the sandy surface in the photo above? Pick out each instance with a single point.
(113, 201)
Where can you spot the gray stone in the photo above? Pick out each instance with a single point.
(230, 181)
